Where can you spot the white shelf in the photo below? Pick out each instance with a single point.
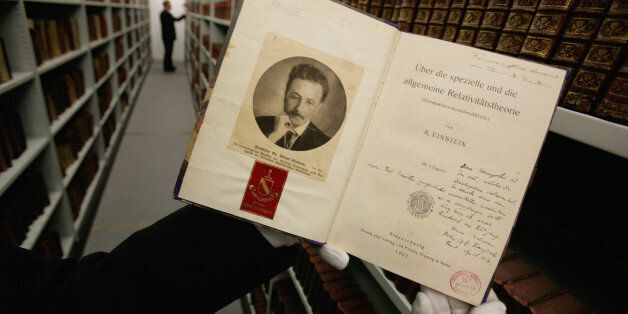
(73, 2)
(98, 42)
(398, 299)
(605, 135)
(66, 246)
(302, 296)
(34, 146)
(220, 21)
(38, 225)
(18, 78)
(55, 62)
(69, 112)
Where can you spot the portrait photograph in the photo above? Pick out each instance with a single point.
(297, 102)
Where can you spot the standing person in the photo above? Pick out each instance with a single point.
(168, 34)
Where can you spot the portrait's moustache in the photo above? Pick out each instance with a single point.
(295, 114)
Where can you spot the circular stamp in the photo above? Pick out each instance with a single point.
(465, 283)
(420, 204)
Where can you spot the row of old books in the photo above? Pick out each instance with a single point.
(53, 38)
(108, 128)
(521, 287)
(82, 181)
(327, 289)
(104, 95)
(222, 9)
(5, 66)
(122, 73)
(12, 135)
(97, 26)
(587, 38)
(71, 139)
(216, 48)
(62, 87)
(49, 245)
(20, 205)
(101, 64)
(285, 299)
(119, 47)
(258, 300)
(116, 23)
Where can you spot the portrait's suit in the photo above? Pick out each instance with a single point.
(311, 138)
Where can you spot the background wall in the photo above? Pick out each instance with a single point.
(178, 8)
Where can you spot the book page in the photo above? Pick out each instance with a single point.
(446, 161)
(337, 58)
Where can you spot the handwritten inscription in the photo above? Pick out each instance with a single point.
(516, 71)
(292, 10)
(472, 208)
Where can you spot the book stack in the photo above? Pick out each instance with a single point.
(97, 26)
(258, 299)
(124, 101)
(587, 38)
(116, 23)
(222, 9)
(285, 298)
(119, 48)
(62, 88)
(104, 94)
(20, 205)
(5, 66)
(205, 9)
(108, 128)
(216, 48)
(206, 42)
(205, 70)
(525, 290)
(72, 138)
(101, 64)
(52, 38)
(122, 73)
(49, 245)
(81, 182)
(12, 136)
(327, 289)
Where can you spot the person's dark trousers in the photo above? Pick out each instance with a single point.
(168, 43)
(192, 261)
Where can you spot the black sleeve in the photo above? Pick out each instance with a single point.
(192, 259)
(180, 18)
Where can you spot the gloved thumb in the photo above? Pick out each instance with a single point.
(334, 257)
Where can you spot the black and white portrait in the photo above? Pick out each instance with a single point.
(299, 103)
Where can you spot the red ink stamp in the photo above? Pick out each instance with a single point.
(465, 283)
(264, 190)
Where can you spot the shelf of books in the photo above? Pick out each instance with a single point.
(65, 98)
(207, 23)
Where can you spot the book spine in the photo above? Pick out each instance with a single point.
(5, 66)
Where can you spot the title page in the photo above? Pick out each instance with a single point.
(320, 43)
(445, 163)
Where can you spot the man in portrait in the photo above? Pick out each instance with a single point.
(305, 94)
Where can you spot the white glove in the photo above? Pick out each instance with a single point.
(430, 301)
(334, 257)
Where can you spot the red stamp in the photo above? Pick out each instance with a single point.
(264, 190)
(465, 283)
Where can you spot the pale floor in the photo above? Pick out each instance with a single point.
(139, 189)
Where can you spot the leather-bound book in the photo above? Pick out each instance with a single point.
(563, 303)
(5, 66)
(53, 38)
(524, 292)
(512, 269)
(614, 106)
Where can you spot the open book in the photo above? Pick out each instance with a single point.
(409, 152)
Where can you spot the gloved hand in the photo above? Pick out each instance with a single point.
(430, 301)
(334, 257)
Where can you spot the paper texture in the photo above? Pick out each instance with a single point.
(445, 163)
(217, 177)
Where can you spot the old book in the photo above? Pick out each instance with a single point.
(5, 66)
(52, 33)
(390, 148)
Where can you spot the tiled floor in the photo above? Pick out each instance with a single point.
(139, 190)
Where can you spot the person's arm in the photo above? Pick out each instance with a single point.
(180, 18)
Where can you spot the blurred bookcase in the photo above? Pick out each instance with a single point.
(73, 90)
(207, 23)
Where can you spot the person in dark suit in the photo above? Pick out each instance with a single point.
(168, 34)
(305, 94)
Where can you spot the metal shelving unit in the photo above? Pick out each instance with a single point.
(26, 87)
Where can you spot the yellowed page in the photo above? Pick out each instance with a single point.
(440, 178)
(353, 46)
